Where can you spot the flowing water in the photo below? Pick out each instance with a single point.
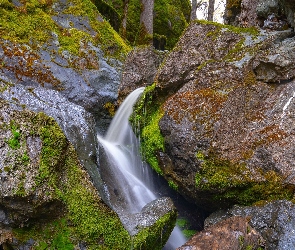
(131, 187)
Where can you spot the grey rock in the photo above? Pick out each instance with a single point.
(265, 8)
(149, 214)
(77, 124)
(274, 221)
(218, 103)
(139, 70)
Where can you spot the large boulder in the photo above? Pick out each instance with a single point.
(268, 226)
(65, 46)
(219, 121)
(233, 233)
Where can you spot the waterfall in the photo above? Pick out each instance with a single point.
(131, 186)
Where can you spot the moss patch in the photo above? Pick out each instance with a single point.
(84, 217)
(32, 24)
(148, 114)
(232, 183)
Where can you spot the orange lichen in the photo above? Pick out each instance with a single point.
(25, 64)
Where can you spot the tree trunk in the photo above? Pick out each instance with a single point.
(124, 19)
(211, 10)
(146, 22)
(194, 10)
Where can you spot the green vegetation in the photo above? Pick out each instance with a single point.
(171, 18)
(238, 30)
(152, 140)
(148, 114)
(155, 237)
(184, 225)
(32, 24)
(82, 215)
(173, 185)
(14, 142)
(232, 183)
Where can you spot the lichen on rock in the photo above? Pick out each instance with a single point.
(221, 121)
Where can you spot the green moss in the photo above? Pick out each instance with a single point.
(111, 43)
(53, 235)
(14, 142)
(156, 236)
(20, 26)
(69, 41)
(173, 185)
(25, 159)
(238, 30)
(32, 24)
(86, 217)
(54, 144)
(232, 183)
(152, 140)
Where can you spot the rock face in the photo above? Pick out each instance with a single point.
(270, 227)
(224, 112)
(231, 234)
(139, 70)
(273, 221)
(77, 124)
(248, 13)
(68, 53)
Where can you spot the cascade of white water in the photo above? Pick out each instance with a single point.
(132, 177)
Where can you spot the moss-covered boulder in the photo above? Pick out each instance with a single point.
(47, 199)
(214, 126)
(62, 45)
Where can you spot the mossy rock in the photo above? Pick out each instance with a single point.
(58, 206)
(33, 23)
(212, 128)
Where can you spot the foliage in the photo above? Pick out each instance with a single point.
(170, 19)
(173, 185)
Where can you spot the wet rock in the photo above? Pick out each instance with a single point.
(231, 234)
(21, 199)
(77, 124)
(149, 214)
(274, 222)
(139, 70)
